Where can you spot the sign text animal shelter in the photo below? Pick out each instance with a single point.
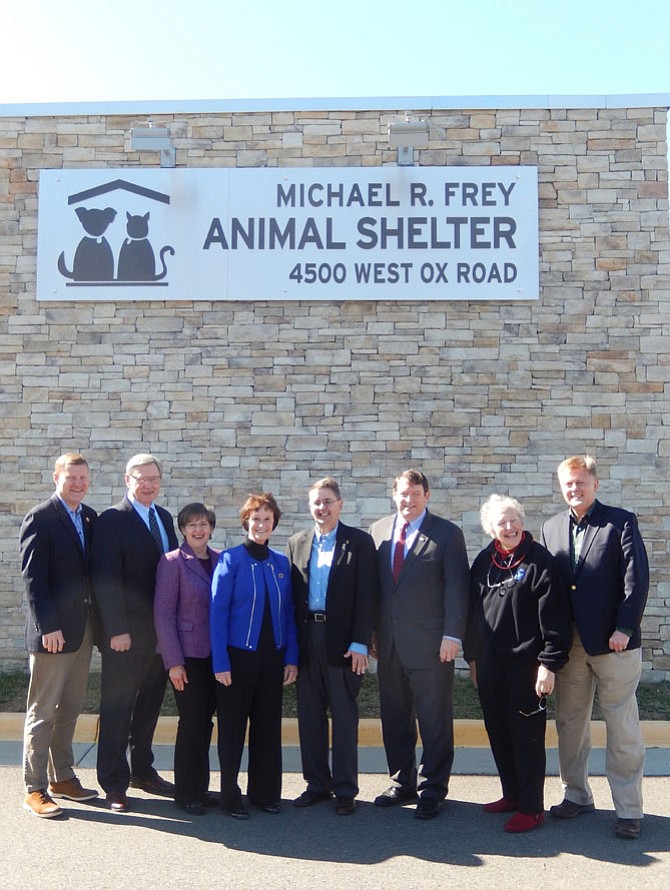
(438, 233)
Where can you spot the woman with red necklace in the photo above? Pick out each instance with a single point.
(519, 634)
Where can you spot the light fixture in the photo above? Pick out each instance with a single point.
(153, 139)
(405, 136)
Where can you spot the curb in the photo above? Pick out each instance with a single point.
(467, 733)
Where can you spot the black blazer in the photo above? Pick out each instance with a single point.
(351, 597)
(125, 557)
(430, 600)
(56, 571)
(610, 585)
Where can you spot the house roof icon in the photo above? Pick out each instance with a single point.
(118, 184)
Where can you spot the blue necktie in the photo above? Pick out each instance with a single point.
(155, 531)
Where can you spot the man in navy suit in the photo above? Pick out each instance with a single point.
(603, 562)
(334, 576)
(424, 579)
(55, 562)
(131, 536)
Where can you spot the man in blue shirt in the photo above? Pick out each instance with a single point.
(334, 578)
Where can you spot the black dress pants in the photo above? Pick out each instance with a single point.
(254, 697)
(517, 741)
(131, 696)
(322, 688)
(195, 704)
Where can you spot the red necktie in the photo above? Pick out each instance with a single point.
(399, 552)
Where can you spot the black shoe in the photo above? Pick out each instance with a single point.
(308, 798)
(345, 806)
(427, 808)
(237, 811)
(153, 785)
(628, 828)
(193, 808)
(568, 809)
(210, 800)
(396, 794)
(117, 801)
(272, 808)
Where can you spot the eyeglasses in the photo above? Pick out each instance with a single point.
(541, 706)
(193, 526)
(146, 480)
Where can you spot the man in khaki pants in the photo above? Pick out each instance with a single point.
(603, 562)
(55, 562)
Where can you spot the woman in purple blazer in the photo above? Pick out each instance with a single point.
(181, 616)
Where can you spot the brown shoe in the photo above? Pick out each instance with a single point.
(568, 809)
(71, 789)
(40, 804)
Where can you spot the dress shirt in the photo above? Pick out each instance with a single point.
(143, 513)
(412, 531)
(75, 516)
(577, 532)
(320, 563)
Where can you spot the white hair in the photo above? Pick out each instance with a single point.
(497, 503)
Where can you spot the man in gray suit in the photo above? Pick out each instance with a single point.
(423, 580)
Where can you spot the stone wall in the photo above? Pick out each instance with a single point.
(484, 397)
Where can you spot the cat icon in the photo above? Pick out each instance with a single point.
(137, 261)
(93, 258)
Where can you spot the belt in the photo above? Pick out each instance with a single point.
(319, 617)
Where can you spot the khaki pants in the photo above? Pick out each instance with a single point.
(615, 676)
(56, 695)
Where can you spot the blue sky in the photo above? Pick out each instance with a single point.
(72, 50)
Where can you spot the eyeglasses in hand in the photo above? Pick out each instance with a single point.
(541, 706)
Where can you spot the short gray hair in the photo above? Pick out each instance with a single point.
(142, 460)
(497, 503)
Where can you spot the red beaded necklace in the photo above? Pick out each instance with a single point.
(508, 561)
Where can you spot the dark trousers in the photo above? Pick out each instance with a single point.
(254, 697)
(321, 687)
(424, 694)
(195, 704)
(517, 742)
(131, 696)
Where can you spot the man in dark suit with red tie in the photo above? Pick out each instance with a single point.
(55, 562)
(334, 576)
(424, 582)
(132, 537)
(604, 565)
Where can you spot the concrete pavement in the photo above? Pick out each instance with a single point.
(157, 846)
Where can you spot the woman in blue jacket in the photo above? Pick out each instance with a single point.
(254, 654)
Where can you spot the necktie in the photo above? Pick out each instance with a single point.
(399, 552)
(155, 531)
(78, 524)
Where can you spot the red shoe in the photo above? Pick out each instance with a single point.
(501, 806)
(524, 822)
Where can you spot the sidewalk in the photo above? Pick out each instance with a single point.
(473, 755)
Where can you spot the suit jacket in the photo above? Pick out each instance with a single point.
(124, 562)
(182, 600)
(351, 596)
(609, 587)
(56, 571)
(430, 599)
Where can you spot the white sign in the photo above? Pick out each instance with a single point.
(384, 233)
